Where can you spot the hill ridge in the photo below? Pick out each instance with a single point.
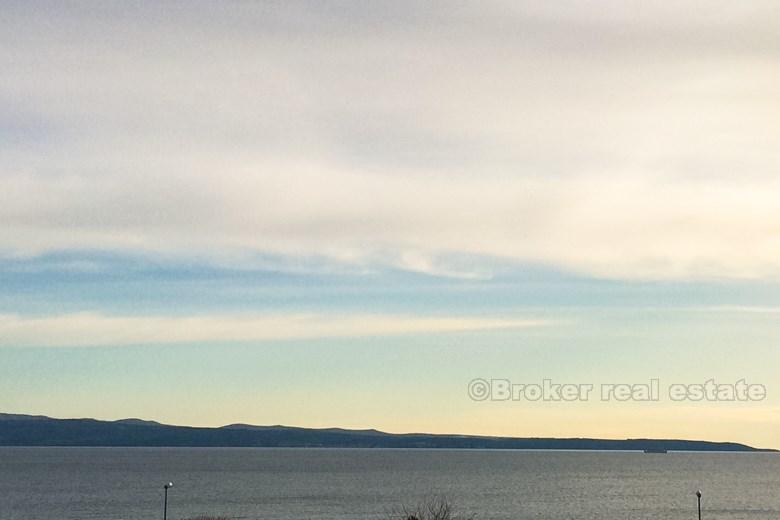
(39, 430)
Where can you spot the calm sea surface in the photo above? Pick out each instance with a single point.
(301, 484)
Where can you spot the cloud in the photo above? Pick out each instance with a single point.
(621, 142)
(748, 309)
(95, 329)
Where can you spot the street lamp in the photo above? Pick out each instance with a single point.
(166, 487)
(698, 499)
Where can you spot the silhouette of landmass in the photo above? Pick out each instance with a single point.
(37, 430)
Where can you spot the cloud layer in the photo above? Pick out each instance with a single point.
(629, 141)
(94, 329)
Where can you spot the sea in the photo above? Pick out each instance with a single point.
(302, 484)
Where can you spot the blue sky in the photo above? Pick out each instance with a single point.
(341, 213)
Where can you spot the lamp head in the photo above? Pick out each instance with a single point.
(168, 485)
(698, 493)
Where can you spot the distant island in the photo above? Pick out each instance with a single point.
(38, 430)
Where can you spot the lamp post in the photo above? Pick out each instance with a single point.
(166, 487)
(698, 499)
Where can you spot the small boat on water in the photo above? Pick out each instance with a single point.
(655, 450)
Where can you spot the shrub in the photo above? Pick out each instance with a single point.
(432, 508)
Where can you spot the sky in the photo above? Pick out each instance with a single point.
(342, 213)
